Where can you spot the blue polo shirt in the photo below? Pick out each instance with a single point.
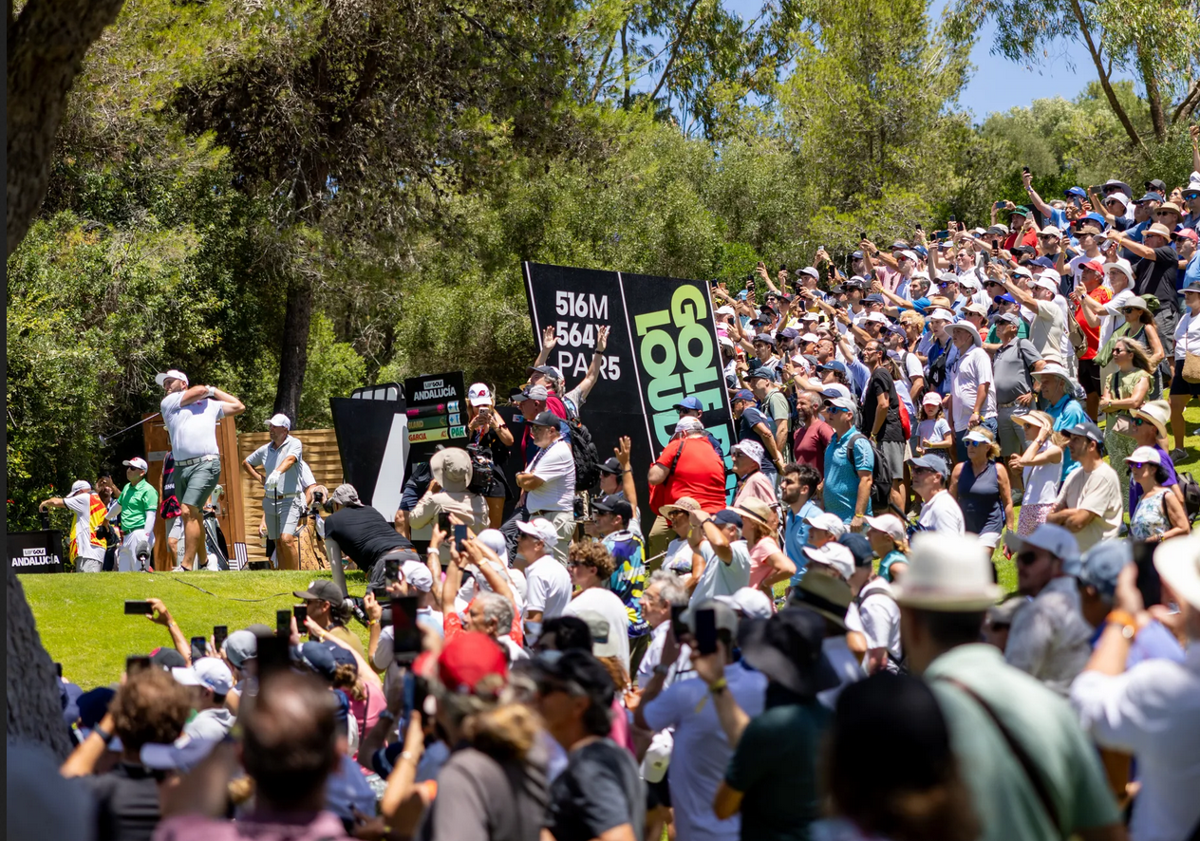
(841, 476)
(795, 536)
(1067, 413)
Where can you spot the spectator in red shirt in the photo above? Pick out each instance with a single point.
(687, 467)
(812, 434)
(1092, 277)
(534, 400)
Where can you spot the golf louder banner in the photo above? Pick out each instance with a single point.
(662, 347)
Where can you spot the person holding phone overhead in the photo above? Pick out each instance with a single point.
(491, 438)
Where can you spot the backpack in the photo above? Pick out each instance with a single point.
(587, 461)
(1191, 495)
(905, 421)
(937, 369)
(881, 482)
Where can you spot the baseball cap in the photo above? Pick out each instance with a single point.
(1075, 191)
(825, 521)
(1044, 281)
(1148, 197)
(726, 310)
(941, 315)
(728, 517)
(859, 547)
(611, 466)
(744, 394)
(749, 602)
(766, 338)
(1088, 430)
(604, 643)
(473, 663)
(545, 418)
(1007, 318)
(1094, 265)
(79, 486)
(417, 575)
(479, 395)
(547, 370)
(167, 659)
(1056, 540)
(345, 494)
(931, 398)
(208, 672)
(935, 463)
(542, 529)
(535, 392)
(844, 403)
(1102, 564)
(579, 672)
(138, 462)
(1187, 233)
(319, 659)
(1144, 455)
(1051, 231)
(322, 589)
(612, 505)
(690, 404)
(889, 524)
(173, 374)
(976, 307)
(833, 555)
(834, 365)
(280, 420)
(239, 647)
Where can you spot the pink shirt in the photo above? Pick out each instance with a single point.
(366, 712)
(759, 568)
(324, 826)
(757, 486)
(621, 732)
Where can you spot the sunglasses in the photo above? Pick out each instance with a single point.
(1027, 558)
(1167, 212)
(829, 407)
(1138, 465)
(976, 443)
(1117, 350)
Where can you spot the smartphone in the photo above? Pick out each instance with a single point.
(1025, 170)
(1148, 582)
(942, 236)
(1000, 205)
(283, 623)
(678, 626)
(917, 228)
(136, 663)
(134, 607)
(416, 689)
(272, 654)
(706, 631)
(199, 648)
(406, 644)
(1078, 202)
(220, 634)
(862, 236)
(300, 611)
(1096, 190)
(444, 522)
(58, 669)
(460, 537)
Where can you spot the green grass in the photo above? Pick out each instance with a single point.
(82, 621)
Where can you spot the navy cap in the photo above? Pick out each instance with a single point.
(834, 365)
(612, 466)
(1076, 191)
(766, 338)
(1004, 299)
(1102, 564)
(874, 298)
(1044, 262)
(899, 245)
(922, 250)
(614, 505)
(859, 546)
(93, 705)
(744, 394)
(546, 418)
(727, 517)
(319, 659)
(1149, 197)
(763, 372)
(691, 404)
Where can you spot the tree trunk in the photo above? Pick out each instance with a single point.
(46, 46)
(34, 708)
(1105, 83)
(1157, 117)
(293, 356)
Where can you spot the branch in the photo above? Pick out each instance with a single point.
(1109, 93)
(683, 30)
(1188, 103)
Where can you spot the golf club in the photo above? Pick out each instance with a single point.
(104, 439)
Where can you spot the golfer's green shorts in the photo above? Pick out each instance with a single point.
(194, 484)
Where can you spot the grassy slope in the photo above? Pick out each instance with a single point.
(82, 622)
(83, 626)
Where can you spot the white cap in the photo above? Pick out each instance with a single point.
(479, 395)
(280, 420)
(968, 280)
(750, 601)
(889, 524)
(1054, 539)
(689, 424)
(542, 529)
(810, 337)
(876, 317)
(1053, 369)
(843, 403)
(1051, 231)
(417, 575)
(908, 255)
(835, 555)
(931, 398)
(750, 449)
(944, 315)
(208, 672)
(173, 374)
(1121, 197)
(138, 462)
(1123, 266)
(1146, 455)
(726, 310)
(79, 486)
(825, 521)
(1045, 281)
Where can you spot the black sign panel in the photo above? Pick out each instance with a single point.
(437, 414)
(35, 551)
(372, 438)
(662, 347)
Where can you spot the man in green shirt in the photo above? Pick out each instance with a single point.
(137, 505)
(1032, 772)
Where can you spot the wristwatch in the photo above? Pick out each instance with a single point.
(1125, 620)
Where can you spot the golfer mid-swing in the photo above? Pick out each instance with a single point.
(283, 492)
(190, 415)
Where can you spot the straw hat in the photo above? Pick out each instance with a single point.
(1158, 412)
(947, 572)
(755, 510)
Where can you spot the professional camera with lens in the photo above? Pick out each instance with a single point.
(355, 605)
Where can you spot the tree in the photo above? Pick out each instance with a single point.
(1159, 43)
(46, 46)
(34, 708)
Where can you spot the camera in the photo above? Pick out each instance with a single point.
(355, 605)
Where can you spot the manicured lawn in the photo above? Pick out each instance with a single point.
(82, 621)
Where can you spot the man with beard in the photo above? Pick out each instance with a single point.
(812, 434)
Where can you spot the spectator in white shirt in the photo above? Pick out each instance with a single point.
(940, 512)
(1153, 710)
(664, 591)
(548, 482)
(1049, 638)
(547, 581)
(972, 386)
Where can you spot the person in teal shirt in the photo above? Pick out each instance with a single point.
(889, 541)
(846, 468)
(137, 505)
(1060, 405)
